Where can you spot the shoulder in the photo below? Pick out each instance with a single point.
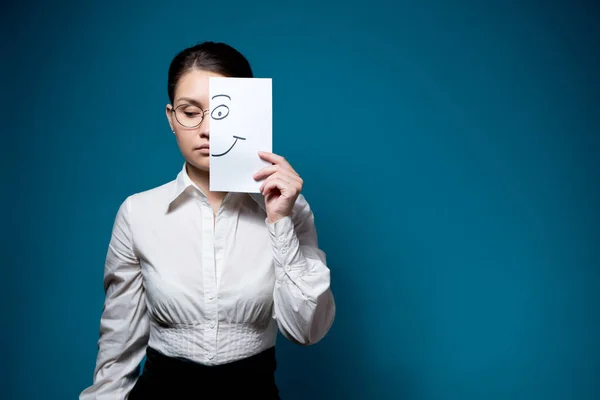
(152, 200)
(158, 195)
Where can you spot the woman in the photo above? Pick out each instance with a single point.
(200, 282)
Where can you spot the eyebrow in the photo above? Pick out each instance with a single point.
(221, 95)
(191, 101)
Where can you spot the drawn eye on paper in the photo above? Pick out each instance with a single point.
(219, 113)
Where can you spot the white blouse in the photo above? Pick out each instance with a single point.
(210, 290)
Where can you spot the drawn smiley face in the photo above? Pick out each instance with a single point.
(221, 112)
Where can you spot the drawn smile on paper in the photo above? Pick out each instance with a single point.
(219, 113)
(236, 139)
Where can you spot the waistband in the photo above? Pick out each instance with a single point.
(261, 363)
(166, 377)
(191, 342)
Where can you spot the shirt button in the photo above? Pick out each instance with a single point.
(281, 239)
(210, 296)
(212, 324)
(284, 250)
(211, 356)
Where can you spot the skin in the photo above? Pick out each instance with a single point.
(281, 184)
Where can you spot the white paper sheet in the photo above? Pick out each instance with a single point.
(240, 126)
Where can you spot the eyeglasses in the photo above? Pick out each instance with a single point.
(189, 116)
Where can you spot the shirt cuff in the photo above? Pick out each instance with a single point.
(286, 249)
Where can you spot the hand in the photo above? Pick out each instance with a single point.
(280, 188)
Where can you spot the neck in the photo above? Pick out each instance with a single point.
(202, 180)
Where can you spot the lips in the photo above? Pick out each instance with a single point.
(204, 146)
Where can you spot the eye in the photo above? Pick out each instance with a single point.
(220, 112)
(187, 109)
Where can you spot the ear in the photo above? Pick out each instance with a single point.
(169, 114)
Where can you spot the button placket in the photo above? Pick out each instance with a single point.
(209, 279)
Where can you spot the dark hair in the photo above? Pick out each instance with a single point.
(209, 56)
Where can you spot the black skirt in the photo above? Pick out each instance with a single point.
(175, 378)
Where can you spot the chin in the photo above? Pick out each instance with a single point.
(202, 164)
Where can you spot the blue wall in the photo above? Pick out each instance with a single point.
(450, 152)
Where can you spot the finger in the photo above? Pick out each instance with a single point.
(274, 183)
(290, 178)
(275, 170)
(287, 188)
(266, 172)
(275, 176)
(280, 182)
(274, 158)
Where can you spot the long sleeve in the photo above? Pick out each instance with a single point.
(304, 306)
(124, 325)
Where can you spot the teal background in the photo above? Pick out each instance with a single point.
(450, 152)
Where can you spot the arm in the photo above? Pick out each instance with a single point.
(303, 302)
(124, 324)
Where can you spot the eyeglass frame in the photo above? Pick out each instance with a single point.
(174, 111)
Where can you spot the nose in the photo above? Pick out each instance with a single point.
(205, 128)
